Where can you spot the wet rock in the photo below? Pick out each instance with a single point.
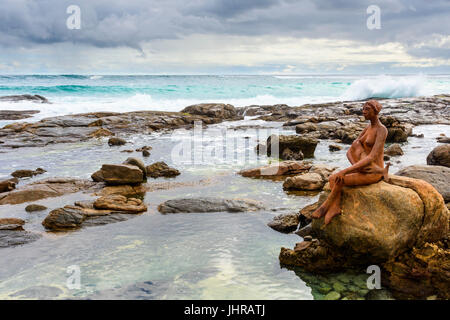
(285, 223)
(288, 154)
(334, 147)
(16, 115)
(144, 148)
(305, 231)
(379, 294)
(102, 132)
(439, 156)
(161, 169)
(209, 204)
(9, 238)
(420, 273)
(11, 224)
(394, 150)
(35, 207)
(114, 141)
(138, 163)
(305, 214)
(118, 174)
(27, 173)
(277, 144)
(25, 97)
(214, 110)
(64, 218)
(333, 295)
(145, 153)
(46, 188)
(120, 203)
(437, 176)
(443, 139)
(306, 181)
(284, 168)
(8, 185)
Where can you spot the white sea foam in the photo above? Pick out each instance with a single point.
(386, 87)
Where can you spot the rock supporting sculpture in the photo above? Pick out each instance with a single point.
(366, 156)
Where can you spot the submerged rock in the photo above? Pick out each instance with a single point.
(161, 169)
(285, 223)
(437, 176)
(11, 224)
(9, 238)
(208, 204)
(284, 168)
(439, 156)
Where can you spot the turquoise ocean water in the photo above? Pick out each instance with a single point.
(86, 93)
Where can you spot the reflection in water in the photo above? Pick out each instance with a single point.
(178, 256)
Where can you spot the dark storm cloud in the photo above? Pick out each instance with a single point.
(131, 22)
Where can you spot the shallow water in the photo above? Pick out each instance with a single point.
(179, 256)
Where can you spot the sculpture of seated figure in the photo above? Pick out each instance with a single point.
(366, 156)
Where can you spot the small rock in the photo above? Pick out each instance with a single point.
(161, 169)
(27, 173)
(144, 148)
(63, 218)
(119, 174)
(333, 295)
(8, 185)
(35, 207)
(334, 147)
(307, 181)
(138, 163)
(285, 223)
(145, 153)
(394, 150)
(114, 141)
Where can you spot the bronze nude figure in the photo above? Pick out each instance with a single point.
(366, 156)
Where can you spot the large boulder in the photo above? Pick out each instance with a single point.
(437, 176)
(439, 156)
(214, 110)
(118, 174)
(295, 143)
(283, 168)
(208, 204)
(378, 222)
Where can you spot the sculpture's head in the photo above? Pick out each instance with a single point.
(371, 109)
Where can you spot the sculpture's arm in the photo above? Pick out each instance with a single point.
(377, 149)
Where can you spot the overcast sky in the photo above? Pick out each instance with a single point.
(224, 37)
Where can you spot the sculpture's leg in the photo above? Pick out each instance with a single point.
(322, 210)
(335, 207)
(351, 180)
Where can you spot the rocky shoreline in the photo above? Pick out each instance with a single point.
(408, 233)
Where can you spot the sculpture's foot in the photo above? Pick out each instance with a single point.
(386, 172)
(319, 213)
(332, 212)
